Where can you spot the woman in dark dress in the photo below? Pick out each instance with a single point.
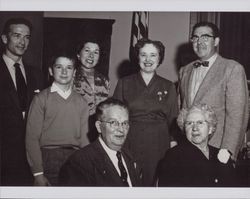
(194, 163)
(152, 103)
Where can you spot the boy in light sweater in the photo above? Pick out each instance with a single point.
(57, 123)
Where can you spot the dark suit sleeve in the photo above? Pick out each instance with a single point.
(38, 78)
(166, 172)
(172, 114)
(1, 130)
(118, 93)
(73, 173)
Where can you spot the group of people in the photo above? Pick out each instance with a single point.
(47, 134)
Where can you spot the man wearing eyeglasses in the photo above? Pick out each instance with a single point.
(104, 162)
(220, 83)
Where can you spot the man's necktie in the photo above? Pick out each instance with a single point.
(21, 87)
(123, 171)
(201, 63)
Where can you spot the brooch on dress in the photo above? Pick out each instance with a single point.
(161, 95)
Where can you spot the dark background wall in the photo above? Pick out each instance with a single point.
(33, 55)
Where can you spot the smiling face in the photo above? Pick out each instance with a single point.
(197, 128)
(63, 71)
(89, 55)
(114, 137)
(149, 58)
(16, 41)
(205, 49)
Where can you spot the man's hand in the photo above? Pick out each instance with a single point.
(223, 156)
(41, 180)
(173, 143)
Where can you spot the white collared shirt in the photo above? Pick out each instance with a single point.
(112, 155)
(198, 75)
(63, 94)
(10, 65)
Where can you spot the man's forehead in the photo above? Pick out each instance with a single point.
(114, 110)
(203, 29)
(19, 28)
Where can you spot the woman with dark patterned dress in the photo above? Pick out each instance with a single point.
(92, 85)
(194, 163)
(153, 107)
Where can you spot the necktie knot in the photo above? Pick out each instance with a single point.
(201, 63)
(16, 65)
(118, 154)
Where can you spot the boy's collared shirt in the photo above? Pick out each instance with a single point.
(63, 94)
(114, 160)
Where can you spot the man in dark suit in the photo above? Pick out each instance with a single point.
(17, 87)
(104, 162)
(221, 83)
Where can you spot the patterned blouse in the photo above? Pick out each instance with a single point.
(93, 93)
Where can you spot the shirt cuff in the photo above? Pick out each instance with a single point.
(37, 174)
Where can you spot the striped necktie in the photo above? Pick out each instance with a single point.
(123, 171)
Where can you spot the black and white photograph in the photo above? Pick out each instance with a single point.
(139, 100)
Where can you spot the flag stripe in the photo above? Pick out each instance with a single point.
(139, 28)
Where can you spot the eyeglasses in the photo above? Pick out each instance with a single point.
(115, 124)
(202, 38)
(198, 123)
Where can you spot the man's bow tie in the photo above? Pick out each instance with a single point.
(201, 63)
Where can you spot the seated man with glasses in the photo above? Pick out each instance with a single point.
(194, 163)
(104, 162)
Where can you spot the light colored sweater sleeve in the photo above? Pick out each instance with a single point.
(34, 130)
(84, 124)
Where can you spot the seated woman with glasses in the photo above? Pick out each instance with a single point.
(194, 163)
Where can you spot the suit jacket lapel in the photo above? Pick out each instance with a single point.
(208, 80)
(131, 165)
(108, 167)
(30, 83)
(188, 83)
(9, 84)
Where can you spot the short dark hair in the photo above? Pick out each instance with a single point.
(215, 29)
(142, 42)
(108, 103)
(11, 21)
(63, 53)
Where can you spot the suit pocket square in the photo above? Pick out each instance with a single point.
(37, 91)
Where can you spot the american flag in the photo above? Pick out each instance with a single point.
(140, 21)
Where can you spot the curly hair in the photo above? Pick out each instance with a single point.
(88, 40)
(142, 42)
(206, 110)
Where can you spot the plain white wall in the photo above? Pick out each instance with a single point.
(171, 28)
